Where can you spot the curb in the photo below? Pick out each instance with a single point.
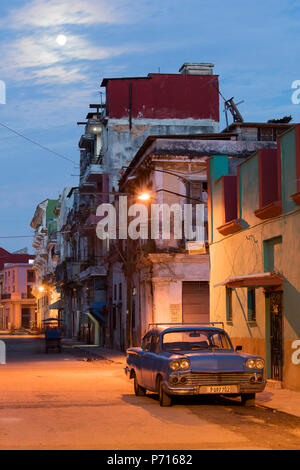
(101, 355)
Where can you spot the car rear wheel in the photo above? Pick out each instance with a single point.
(164, 398)
(248, 399)
(138, 390)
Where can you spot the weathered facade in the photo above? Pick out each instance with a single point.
(159, 280)
(44, 222)
(9, 289)
(255, 250)
(159, 104)
(80, 272)
(18, 304)
(135, 107)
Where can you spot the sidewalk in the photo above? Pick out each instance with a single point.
(278, 399)
(111, 355)
(281, 399)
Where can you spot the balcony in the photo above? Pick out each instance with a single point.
(92, 173)
(86, 141)
(92, 271)
(5, 296)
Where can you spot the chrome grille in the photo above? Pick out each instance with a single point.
(223, 378)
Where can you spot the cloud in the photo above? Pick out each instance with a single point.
(59, 74)
(45, 13)
(39, 57)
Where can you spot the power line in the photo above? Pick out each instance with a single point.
(19, 236)
(37, 144)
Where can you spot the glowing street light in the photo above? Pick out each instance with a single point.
(144, 197)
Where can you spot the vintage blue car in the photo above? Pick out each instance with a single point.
(193, 360)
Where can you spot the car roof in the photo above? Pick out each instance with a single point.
(168, 329)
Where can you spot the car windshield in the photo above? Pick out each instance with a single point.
(192, 340)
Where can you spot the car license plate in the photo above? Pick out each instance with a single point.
(219, 389)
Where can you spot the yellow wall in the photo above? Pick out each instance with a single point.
(241, 254)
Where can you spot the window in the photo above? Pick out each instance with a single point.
(272, 254)
(120, 292)
(30, 276)
(228, 304)
(29, 293)
(147, 343)
(115, 291)
(99, 284)
(114, 317)
(133, 314)
(194, 340)
(251, 305)
(270, 191)
(220, 341)
(155, 344)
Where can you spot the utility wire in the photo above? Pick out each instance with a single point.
(19, 236)
(37, 144)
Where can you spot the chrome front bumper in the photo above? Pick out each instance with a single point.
(194, 390)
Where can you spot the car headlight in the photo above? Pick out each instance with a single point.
(255, 363)
(184, 364)
(180, 364)
(260, 363)
(175, 365)
(251, 363)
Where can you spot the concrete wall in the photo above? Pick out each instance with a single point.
(120, 143)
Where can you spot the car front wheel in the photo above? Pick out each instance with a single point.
(164, 398)
(138, 390)
(248, 399)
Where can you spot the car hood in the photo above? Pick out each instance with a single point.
(217, 361)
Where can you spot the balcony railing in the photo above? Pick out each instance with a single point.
(5, 296)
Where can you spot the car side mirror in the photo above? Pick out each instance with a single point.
(239, 348)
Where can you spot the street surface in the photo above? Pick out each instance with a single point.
(63, 401)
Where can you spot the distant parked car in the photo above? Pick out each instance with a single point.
(193, 360)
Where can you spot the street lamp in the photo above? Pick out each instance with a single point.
(147, 196)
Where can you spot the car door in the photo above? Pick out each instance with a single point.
(146, 346)
(149, 361)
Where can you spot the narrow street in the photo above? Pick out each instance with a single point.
(63, 401)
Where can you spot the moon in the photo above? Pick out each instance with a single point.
(61, 39)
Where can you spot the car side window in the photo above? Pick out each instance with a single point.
(147, 343)
(155, 344)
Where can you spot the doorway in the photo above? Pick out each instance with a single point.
(26, 317)
(195, 302)
(276, 342)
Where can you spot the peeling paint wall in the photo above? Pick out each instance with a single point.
(122, 143)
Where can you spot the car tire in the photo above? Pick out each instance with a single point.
(248, 399)
(138, 390)
(164, 398)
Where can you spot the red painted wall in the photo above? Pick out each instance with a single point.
(268, 177)
(229, 198)
(165, 96)
(6, 257)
